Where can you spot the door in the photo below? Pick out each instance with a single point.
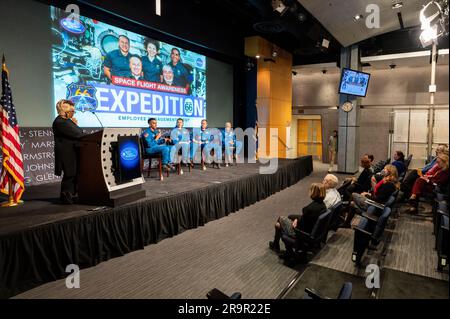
(309, 138)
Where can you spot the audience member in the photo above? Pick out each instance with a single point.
(438, 175)
(398, 162)
(360, 182)
(332, 196)
(413, 175)
(304, 221)
(380, 193)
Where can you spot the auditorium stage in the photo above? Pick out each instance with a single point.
(39, 239)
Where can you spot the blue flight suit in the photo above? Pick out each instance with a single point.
(152, 69)
(180, 75)
(215, 143)
(201, 136)
(180, 135)
(229, 137)
(118, 63)
(156, 146)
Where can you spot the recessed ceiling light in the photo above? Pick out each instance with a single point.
(397, 5)
(358, 17)
(257, 56)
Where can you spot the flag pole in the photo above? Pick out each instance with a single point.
(11, 202)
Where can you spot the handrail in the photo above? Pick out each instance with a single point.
(282, 142)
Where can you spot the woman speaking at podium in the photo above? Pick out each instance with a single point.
(66, 133)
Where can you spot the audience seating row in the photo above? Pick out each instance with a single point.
(371, 227)
(312, 242)
(441, 226)
(345, 293)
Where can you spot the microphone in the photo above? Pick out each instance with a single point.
(97, 118)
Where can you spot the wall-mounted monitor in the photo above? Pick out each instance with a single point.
(354, 82)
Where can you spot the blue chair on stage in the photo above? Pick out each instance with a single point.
(150, 157)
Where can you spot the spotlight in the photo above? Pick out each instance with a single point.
(392, 66)
(397, 5)
(294, 73)
(301, 17)
(324, 71)
(434, 23)
(257, 56)
(274, 53)
(358, 17)
(428, 36)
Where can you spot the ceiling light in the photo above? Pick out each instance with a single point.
(257, 56)
(301, 17)
(279, 6)
(428, 36)
(358, 17)
(397, 5)
(432, 21)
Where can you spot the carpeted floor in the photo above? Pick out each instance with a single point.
(313, 278)
(401, 285)
(411, 249)
(230, 254)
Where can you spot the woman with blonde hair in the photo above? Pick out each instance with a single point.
(304, 221)
(413, 175)
(438, 175)
(380, 193)
(66, 134)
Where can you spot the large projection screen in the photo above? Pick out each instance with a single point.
(123, 77)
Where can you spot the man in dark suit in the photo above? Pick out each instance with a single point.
(66, 133)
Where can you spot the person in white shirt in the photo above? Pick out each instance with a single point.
(332, 195)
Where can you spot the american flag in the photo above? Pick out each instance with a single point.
(12, 164)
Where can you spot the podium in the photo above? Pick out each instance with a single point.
(97, 183)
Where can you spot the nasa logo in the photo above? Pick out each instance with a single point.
(188, 107)
(72, 25)
(199, 62)
(129, 154)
